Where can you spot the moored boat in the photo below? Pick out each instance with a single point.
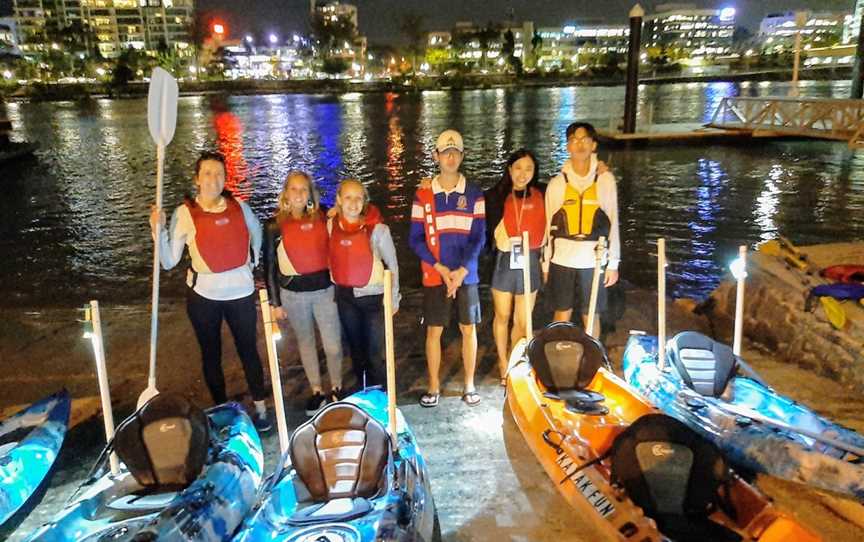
(757, 428)
(30, 442)
(342, 480)
(185, 474)
(634, 473)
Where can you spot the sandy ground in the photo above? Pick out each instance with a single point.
(486, 483)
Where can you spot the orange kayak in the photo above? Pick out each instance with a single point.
(588, 429)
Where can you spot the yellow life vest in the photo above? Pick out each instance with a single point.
(576, 217)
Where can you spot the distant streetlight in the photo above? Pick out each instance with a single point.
(295, 37)
(274, 39)
(249, 38)
(218, 29)
(7, 74)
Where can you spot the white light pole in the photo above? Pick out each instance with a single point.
(800, 21)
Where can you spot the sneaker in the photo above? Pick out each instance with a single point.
(337, 395)
(262, 421)
(315, 403)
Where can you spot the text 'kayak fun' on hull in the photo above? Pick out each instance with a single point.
(349, 486)
(184, 476)
(758, 429)
(29, 444)
(635, 474)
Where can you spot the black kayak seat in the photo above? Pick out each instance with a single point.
(674, 475)
(340, 456)
(705, 365)
(165, 443)
(565, 358)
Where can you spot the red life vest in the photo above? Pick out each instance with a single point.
(533, 218)
(844, 273)
(351, 257)
(431, 277)
(305, 242)
(222, 238)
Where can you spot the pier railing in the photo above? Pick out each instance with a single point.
(823, 118)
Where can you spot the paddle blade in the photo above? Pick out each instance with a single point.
(162, 106)
(146, 395)
(834, 311)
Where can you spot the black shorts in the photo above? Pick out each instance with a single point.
(437, 306)
(565, 282)
(511, 281)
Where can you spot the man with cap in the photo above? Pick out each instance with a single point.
(448, 230)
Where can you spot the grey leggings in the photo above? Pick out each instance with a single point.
(304, 310)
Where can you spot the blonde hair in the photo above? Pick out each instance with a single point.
(284, 201)
(362, 186)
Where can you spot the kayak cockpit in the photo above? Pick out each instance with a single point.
(705, 365)
(340, 457)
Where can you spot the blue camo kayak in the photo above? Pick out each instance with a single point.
(29, 444)
(757, 428)
(119, 508)
(401, 507)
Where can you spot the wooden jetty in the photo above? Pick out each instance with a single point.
(740, 119)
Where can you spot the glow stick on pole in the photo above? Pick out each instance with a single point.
(275, 376)
(102, 376)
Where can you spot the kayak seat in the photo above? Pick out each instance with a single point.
(705, 365)
(674, 475)
(565, 358)
(165, 443)
(340, 456)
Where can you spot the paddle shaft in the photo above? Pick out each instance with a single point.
(526, 285)
(595, 285)
(154, 299)
(390, 357)
(275, 376)
(661, 303)
(102, 377)
(739, 303)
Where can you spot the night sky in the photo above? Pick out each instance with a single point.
(379, 19)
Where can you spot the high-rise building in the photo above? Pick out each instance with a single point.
(854, 28)
(147, 25)
(819, 28)
(700, 32)
(8, 37)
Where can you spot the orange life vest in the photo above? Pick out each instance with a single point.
(222, 239)
(305, 242)
(533, 217)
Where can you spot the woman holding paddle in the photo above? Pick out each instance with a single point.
(360, 248)
(297, 271)
(224, 241)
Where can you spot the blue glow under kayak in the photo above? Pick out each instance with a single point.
(29, 444)
(757, 428)
(209, 509)
(402, 510)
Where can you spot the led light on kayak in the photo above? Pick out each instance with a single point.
(738, 269)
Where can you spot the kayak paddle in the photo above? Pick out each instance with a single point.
(272, 334)
(161, 120)
(599, 251)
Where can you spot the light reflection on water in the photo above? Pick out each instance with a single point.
(74, 219)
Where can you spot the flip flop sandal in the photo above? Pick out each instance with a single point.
(472, 398)
(429, 400)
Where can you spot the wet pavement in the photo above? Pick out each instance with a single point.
(486, 483)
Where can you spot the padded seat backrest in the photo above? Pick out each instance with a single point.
(340, 453)
(668, 469)
(564, 357)
(705, 365)
(165, 443)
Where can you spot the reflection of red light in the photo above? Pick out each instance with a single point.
(229, 138)
(218, 28)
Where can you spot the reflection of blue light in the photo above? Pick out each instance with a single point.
(727, 14)
(714, 94)
(328, 166)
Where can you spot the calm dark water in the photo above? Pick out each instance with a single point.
(73, 220)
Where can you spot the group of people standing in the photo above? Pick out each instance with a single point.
(324, 268)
